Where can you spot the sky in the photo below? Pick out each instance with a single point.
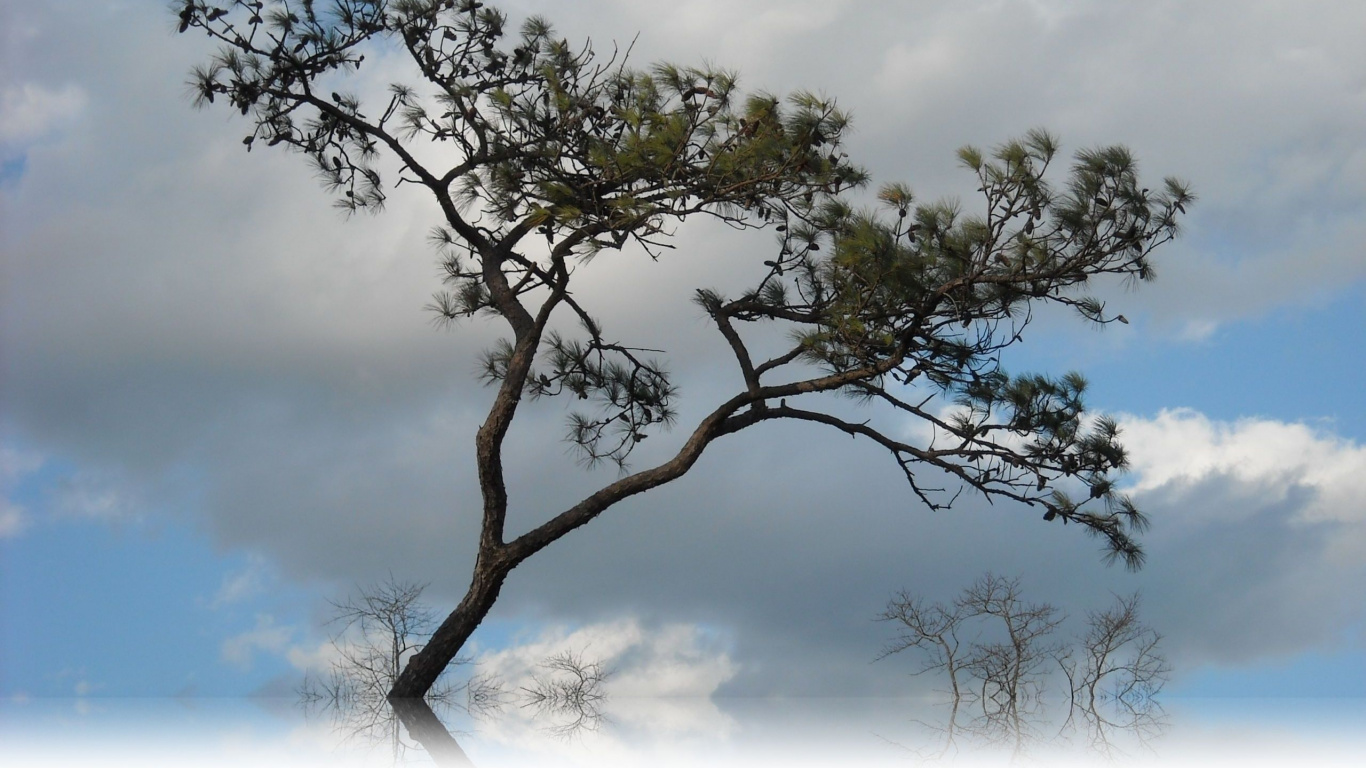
(222, 405)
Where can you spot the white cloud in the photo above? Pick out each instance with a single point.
(1183, 447)
(29, 112)
(15, 463)
(248, 582)
(1197, 330)
(267, 636)
(660, 684)
(321, 657)
(673, 661)
(1258, 548)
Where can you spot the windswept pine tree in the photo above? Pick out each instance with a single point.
(541, 153)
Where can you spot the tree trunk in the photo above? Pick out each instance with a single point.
(425, 666)
(427, 729)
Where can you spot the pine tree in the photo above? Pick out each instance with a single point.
(551, 153)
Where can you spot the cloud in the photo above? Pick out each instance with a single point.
(1260, 546)
(246, 583)
(29, 112)
(1181, 448)
(193, 328)
(674, 660)
(317, 658)
(97, 496)
(267, 637)
(15, 465)
(659, 686)
(12, 520)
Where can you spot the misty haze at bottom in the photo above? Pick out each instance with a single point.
(683, 732)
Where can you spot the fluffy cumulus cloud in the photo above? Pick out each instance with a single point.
(658, 687)
(675, 660)
(1182, 448)
(12, 519)
(192, 328)
(266, 637)
(1260, 546)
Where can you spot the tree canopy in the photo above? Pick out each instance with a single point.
(541, 153)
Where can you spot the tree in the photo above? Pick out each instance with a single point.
(1120, 650)
(1120, 662)
(1006, 670)
(1009, 669)
(932, 628)
(392, 624)
(541, 154)
(379, 626)
(571, 686)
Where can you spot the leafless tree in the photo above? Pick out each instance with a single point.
(484, 695)
(1113, 670)
(569, 686)
(932, 628)
(375, 629)
(390, 624)
(1006, 670)
(1121, 660)
(1009, 670)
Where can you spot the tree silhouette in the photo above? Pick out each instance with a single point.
(541, 154)
(1113, 670)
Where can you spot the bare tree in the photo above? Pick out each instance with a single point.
(932, 628)
(375, 629)
(1121, 672)
(1006, 670)
(1009, 670)
(540, 154)
(1121, 659)
(484, 695)
(1113, 670)
(392, 625)
(570, 686)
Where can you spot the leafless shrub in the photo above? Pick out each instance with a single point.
(570, 686)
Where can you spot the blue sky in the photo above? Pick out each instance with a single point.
(221, 404)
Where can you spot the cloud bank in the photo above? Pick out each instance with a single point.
(196, 334)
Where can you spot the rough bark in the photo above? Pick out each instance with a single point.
(425, 666)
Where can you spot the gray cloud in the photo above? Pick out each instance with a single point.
(187, 321)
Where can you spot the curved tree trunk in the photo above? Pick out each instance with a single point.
(427, 729)
(425, 666)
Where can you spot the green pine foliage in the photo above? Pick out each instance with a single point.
(552, 153)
